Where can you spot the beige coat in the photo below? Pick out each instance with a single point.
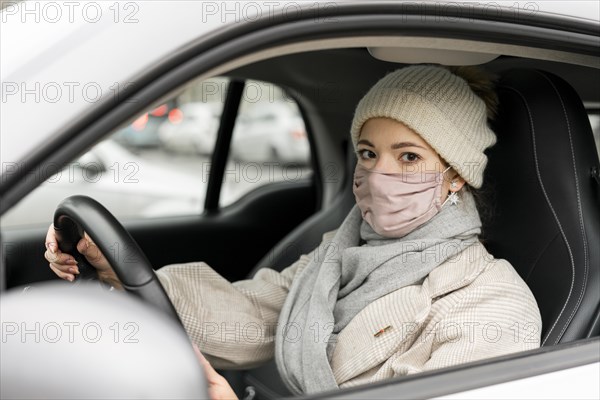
(468, 308)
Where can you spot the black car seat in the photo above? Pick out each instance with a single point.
(543, 174)
(307, 236)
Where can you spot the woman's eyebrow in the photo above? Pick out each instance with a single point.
(365, 141)
(394, 146)
(400, 145)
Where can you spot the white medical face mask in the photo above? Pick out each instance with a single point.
(395, 204)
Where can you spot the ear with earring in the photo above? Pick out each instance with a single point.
(453, 196)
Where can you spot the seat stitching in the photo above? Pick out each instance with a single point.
(537, 259)
(579, 212)
(537, 171)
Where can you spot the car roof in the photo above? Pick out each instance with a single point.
(89, 63)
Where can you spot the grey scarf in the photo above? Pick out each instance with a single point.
(344, 277)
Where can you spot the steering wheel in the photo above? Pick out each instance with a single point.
(77, 214)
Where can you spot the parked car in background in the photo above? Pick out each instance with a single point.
(129, 185)
(191, 128)
(142, 133)
(270, 132)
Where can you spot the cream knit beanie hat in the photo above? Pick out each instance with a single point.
(440, 107)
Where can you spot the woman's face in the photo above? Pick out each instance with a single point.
(389, 146)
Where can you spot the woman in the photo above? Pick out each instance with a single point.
(402, 286)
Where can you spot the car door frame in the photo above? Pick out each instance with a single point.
(208, 54)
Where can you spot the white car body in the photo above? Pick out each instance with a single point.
(71, 61)
(75, 48)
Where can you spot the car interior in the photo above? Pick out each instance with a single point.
(540, 115)
(542, 181)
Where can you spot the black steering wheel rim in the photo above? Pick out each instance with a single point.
(132, 267)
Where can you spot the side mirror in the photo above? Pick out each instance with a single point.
(84, 342)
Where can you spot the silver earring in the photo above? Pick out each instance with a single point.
(453, 184)
(453, 198)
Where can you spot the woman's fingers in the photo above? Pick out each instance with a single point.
(210, 371)
(67, 269)
(92, 253)
(60, 258)
(94, 256)
(61, 274)
(51, 243)
(63, 265)
(218, 387)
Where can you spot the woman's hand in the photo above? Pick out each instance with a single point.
(218, 388)
(65, 266)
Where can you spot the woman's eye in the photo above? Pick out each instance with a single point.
(410, 157)
(365, 154)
